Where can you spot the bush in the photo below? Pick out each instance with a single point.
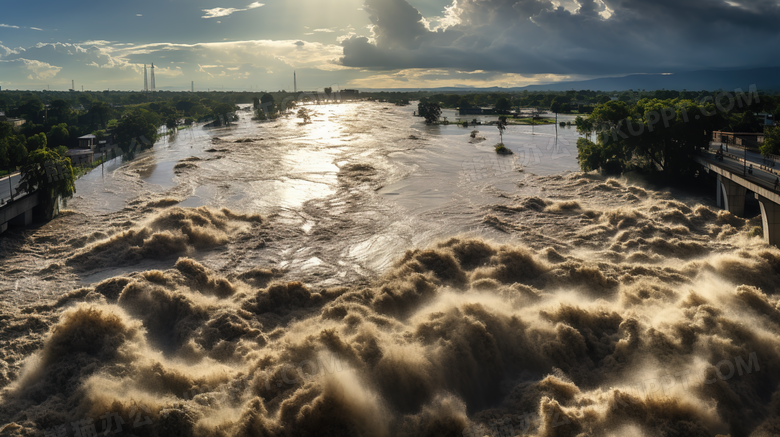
(502, 150)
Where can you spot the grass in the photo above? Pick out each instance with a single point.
(528, 121)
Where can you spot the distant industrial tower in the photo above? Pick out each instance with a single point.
(154, 88)
(193, 86)
(73, 85)
(146, 83)
(295, 81)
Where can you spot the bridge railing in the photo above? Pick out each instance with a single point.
(767, 168)
(775, 158)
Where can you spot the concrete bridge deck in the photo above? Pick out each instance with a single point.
(733, 184)
(16, 207)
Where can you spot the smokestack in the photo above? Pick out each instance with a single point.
(295, 81)
(73, 85)
(146, 83)
(153, 86)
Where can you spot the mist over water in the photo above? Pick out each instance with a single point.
(367, 275)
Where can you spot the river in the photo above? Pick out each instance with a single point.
(366, 274)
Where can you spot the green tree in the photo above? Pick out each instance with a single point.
(16, 150)
(652, 134)
(59, 112)
(268, 103)
(584, 125)
(37, 141)
(58, 135)
(465, 103)
(501, 128)
(172, 119)
(99, 113)
(555, 105)
(430, 111)
(135, 132)
(771, 144)
(745, 122)
(503, 104)
(31, 110)
(224, 112)
(51, 174)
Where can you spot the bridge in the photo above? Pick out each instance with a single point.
(16, 208)
(734, 181)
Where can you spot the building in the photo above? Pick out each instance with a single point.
(470, 111)
(17, 122)
(88, 142)
(80, 156)
(742, 139)
(767, 119)
(349, 94)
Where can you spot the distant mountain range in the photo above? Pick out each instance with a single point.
(764, 79)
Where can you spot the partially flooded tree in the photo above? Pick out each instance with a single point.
(50, 174)
(501, 128)
(430, 111)
(651, 134)
(304, 114)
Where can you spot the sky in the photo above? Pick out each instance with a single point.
(378, 44)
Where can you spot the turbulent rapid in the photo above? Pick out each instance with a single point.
(366, 275)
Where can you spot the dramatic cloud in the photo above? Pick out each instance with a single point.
(533, 37)
(224, 12)
(35, 70)
(102, 64)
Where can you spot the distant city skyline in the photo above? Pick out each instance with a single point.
(243, 45)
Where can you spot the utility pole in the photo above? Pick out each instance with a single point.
(10, 186)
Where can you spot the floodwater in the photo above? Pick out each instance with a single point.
(368, 275)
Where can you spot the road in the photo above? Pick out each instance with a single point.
(5, 187)
(764, 177)
(752, 157)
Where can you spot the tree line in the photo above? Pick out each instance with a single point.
(55, 120)
(654, 134)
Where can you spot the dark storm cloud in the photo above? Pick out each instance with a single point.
(600, 37)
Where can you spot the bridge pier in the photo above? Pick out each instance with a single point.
(18, 212)
(23, 219)
(770, 217)
(731, 196)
